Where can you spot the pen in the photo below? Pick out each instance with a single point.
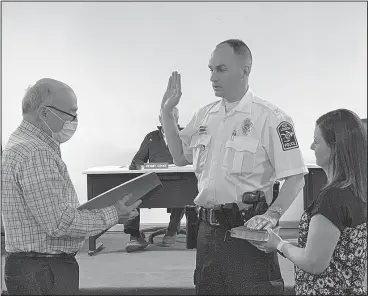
(233, 135)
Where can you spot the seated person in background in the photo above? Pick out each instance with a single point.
(153, 149)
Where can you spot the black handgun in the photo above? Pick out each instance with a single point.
(258, 201)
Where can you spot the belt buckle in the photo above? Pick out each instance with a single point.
(213, 220)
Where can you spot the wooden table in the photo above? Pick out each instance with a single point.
(179, 190)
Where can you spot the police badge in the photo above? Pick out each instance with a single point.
(247, 126)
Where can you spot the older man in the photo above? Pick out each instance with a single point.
(43, 228)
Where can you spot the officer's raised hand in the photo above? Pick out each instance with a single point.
(173, 92)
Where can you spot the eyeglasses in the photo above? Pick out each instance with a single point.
(71, 115)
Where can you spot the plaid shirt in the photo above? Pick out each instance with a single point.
(38, 198)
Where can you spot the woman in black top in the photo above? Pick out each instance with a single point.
(331, 256)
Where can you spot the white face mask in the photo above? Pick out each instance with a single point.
(66, 132)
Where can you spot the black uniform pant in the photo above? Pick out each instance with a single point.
(41, 276)
(132, 226)
(233, 266)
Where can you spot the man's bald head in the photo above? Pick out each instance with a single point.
(45, 91)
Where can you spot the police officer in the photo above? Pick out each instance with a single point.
(239, 144)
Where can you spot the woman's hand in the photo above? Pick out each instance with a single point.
(269, 246)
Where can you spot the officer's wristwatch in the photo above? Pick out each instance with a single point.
(277, 210)
(279, 247)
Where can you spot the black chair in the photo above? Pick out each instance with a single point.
(155, 231)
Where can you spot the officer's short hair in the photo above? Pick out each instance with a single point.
(240, 48)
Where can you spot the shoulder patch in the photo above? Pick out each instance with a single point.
(287, 136)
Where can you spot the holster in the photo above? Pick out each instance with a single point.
(258, 201)
(228, 215)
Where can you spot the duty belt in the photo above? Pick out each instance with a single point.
(208, 215)
(43, 255)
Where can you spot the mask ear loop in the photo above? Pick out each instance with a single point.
(52, 132)
(57, 115)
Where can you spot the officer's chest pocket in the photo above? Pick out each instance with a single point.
(200, 148)
(240, 155)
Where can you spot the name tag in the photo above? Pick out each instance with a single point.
(157, 165)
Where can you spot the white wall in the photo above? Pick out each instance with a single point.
(309, 58)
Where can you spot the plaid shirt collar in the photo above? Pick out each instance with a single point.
(33, 131)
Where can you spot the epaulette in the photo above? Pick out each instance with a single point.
(271, 107)
(208, 106)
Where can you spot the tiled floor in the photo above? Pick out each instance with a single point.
(156, 268)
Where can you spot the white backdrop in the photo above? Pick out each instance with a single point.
(309, 58)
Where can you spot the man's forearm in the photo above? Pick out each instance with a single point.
(81, 223)
(289, 191)
(173, 140)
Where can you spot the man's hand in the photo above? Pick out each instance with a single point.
(173, 92)
(126, 212)
(265, 221)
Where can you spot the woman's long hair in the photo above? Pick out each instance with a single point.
(346, 136)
